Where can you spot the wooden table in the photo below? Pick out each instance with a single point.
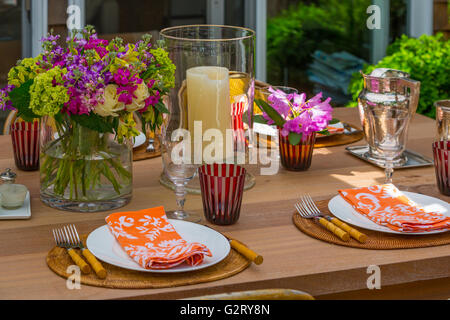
(291, 258)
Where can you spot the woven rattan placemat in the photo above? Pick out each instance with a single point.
(322, 142)
(59, 260)
(375, 240)
(140, 153)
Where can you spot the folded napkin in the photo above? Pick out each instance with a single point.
(388, 206)
(333, 129)
(150, 240)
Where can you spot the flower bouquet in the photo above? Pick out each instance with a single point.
(298, 121)
(88, 95)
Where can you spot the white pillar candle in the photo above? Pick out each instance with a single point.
(12, 195)
(208, 95)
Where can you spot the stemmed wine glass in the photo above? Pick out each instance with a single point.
(180, 171)
(389, 126)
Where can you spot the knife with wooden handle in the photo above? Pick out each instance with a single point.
(355, 234)
(242, 249)
(96, 265)
(84, 267)
(245, 251)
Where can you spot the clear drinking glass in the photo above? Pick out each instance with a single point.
(287, 90)
(389, 126)
(180, 172)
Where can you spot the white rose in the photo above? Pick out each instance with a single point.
(111, 103)
(141, 94)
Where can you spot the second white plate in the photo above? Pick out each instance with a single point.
(345, 212)
(139, 140)
(105, 247)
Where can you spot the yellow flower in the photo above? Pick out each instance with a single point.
(127, 128)
(141, 94)
(111, 104)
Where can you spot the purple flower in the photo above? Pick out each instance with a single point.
(292, 125)
(152, 100)
(126, 93)
(279, 101)
(5, 103)
(151, 83)
(121, 77)
(302, 116)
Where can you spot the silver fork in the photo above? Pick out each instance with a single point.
(62, 240)
(305, 211)
(75, 242)
(311, 206)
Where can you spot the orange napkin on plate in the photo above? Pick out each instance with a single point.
(388, 206)
(151, 240)
(332, 130)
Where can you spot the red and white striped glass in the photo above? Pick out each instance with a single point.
(222, 187)
(25, 141)
(441, 146)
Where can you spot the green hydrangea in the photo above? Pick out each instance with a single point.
(25, 70)
(167, 71)
(46, 99)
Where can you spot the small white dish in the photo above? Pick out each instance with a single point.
(345, 212)
(105, 247)
(23, 212)
(139, 140)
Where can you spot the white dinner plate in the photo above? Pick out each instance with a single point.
(139, 140)
(338, 125)
(345, 212)
(105, 247)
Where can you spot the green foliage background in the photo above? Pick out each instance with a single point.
(426, 59)
(329, 25)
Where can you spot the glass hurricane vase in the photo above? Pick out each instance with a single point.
(213, 93)
(83, 170)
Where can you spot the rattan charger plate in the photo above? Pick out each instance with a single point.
(339, 139)
(375, 240)
(322, 142)
(59, 260)
(141, 153)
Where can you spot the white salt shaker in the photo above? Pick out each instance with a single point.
(12, 194)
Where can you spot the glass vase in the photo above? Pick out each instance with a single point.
(83, 170)
(298, 157)
(213, 93)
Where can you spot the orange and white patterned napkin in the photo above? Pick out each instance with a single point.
(388, 206)
(333, 129)
(151, 240)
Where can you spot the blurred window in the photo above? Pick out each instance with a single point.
(316, 45)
